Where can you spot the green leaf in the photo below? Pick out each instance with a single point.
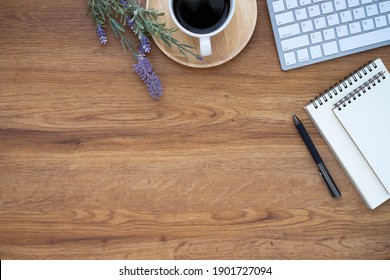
(117, 26)
(139, 24)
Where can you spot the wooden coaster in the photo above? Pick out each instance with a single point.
(225, 45)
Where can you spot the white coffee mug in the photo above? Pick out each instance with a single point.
(204, 38)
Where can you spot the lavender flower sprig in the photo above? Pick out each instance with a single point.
(144, 70)
(144, 45)
(101, 33)
(144, 40)
(143, 23)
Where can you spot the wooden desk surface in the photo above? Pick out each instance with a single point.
(92, 168)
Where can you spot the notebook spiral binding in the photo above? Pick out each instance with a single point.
(346, 83)
(360, 90)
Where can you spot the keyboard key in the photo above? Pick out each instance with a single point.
(365, 39)
(342, 31)
(289, 30)
(304, 2)
(353, 3)
(316, 37)
(355, 27)
(307, 26)
(340, 5)
(368, 24)
(330, 48)
(289, 58)
(300, 14)
(366, 1)
(278, 6)
(291, 4)
(284, 18)
(346, 16)
(303, 55)
(327, 7)
(329, 34)
(372, 10)
(359, 13)
(333, 19)
(295, 43)
(380, 21)
(384, 7)
(315, 52)
(314, 11)
(320, 23)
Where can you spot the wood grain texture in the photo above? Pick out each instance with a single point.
(92, 168)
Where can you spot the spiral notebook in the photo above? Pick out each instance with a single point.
(353, 117)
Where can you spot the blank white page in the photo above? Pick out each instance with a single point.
(367, 121)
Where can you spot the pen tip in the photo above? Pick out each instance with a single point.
(295, 118)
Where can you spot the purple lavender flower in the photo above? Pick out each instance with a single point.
(144, 41)
(144, 45)
(124, 3)
(145, 72)
(101, 33)
(130, 22)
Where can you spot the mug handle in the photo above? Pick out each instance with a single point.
(205, 46)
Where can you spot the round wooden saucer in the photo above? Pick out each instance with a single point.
(226, 45)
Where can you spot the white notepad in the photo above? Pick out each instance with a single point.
(358, 134)
(365, 115)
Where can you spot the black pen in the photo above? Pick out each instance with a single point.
(324, 173)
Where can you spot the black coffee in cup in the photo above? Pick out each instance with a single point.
(201, 16)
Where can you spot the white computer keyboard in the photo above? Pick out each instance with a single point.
(311, 31)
